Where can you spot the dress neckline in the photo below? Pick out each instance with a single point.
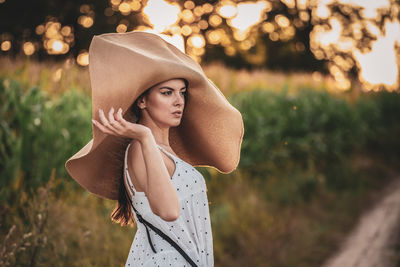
(169, 153)
(175, 157)
(163, 149)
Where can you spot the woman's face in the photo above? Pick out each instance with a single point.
(163, 101)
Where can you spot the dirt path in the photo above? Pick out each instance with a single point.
(370, 243)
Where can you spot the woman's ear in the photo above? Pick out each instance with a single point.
(141, 103)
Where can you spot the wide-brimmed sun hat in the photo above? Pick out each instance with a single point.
(124, 65)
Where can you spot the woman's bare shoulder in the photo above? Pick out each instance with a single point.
(135, 154)
(136, 165)
(134, 145)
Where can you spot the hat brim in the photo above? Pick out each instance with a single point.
(122, 66)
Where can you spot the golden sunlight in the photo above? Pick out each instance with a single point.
(370, 7)
(227, 9)
(28, 48)
(85, 21)
(56, 45)
(56, 39)
(6, 45)
(175, 39)
(197, 41)
(124, 8)
(378, 66)
(327, 37)
(248, 14)
(161, 14)
(135, 5)
(215, 20)
(83, 58)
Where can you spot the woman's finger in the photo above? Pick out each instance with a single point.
(105, 122)
(115, 124)
(119, 118)
(101, 127)
(103, 118)
(111, 116)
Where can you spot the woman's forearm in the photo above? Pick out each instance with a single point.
(161, 193)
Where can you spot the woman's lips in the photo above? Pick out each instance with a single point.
(177, 114)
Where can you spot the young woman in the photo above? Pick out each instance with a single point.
(156, 115)
(169, 192)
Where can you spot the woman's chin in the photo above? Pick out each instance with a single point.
(175, 123)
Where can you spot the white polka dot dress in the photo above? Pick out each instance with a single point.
(191, 231)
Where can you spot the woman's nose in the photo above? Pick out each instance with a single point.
(179, 99)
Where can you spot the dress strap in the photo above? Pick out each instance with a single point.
(128, 181)
(130, 196)
(169, 153)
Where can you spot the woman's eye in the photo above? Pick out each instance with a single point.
(170, 92)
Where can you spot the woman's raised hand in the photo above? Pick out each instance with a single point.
(117, 125)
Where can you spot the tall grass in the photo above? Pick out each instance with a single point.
(45, 229)
(311, 161)
(37, 134)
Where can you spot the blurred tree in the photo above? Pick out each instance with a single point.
(40, 21)
(351, 30)
(281, 41)
(75, 22)
(277, 34)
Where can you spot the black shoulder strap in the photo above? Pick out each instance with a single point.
(158, 231)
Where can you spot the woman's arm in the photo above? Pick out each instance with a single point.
(152, 175)
(149, 169)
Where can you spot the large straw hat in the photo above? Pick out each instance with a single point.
(124, 65)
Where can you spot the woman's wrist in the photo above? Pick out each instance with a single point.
(147, 137)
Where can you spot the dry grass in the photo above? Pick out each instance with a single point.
(62, 225)
(55, 77)
(72, 228)
(232, 81)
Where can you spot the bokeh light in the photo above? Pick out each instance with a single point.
(161, 14)
(197, 41)
(83, 58)
(364, 43)
(227, 9)
(56, 39)
(378, 66)
(248, 14)
(121, 28)
(85, 21)
(28, 48)
(6, 45)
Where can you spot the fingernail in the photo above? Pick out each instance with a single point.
(93, 121)
(120, 109)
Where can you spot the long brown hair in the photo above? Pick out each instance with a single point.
(123, 213)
